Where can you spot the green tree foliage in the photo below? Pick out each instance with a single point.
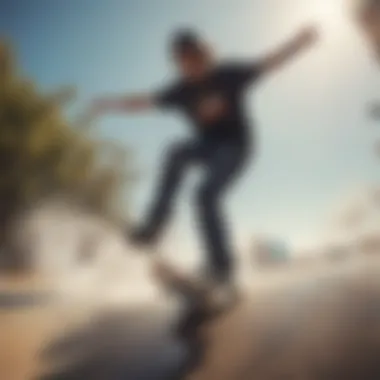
(43, 154)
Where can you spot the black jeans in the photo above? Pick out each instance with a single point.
(221, 162)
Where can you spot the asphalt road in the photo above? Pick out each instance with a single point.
(321, 324)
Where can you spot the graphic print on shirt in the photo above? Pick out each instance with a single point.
(211, 108)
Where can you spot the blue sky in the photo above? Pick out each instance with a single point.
(315, 138)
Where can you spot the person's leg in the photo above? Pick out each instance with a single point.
(177, 161)
(223, 165)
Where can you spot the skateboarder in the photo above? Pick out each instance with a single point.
(210, 94)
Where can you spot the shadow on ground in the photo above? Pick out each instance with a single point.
(322, 325)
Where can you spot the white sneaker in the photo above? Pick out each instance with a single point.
(221, 294)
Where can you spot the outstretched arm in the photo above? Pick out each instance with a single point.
(126, 103)
(302, 41)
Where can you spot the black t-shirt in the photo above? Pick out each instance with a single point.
(215, 105)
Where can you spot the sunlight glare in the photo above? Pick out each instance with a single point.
(329, 14)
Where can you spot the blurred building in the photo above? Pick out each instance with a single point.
(369, 243)
(270, 252)
(337, 253)
(356, 227)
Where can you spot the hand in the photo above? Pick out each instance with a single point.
(308, 36)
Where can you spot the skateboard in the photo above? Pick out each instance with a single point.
(196, 293)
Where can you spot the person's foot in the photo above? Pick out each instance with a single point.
(223, 290)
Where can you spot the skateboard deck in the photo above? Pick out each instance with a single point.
(196, 293)
(180, 283)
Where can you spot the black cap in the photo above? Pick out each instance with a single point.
(185, 40)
